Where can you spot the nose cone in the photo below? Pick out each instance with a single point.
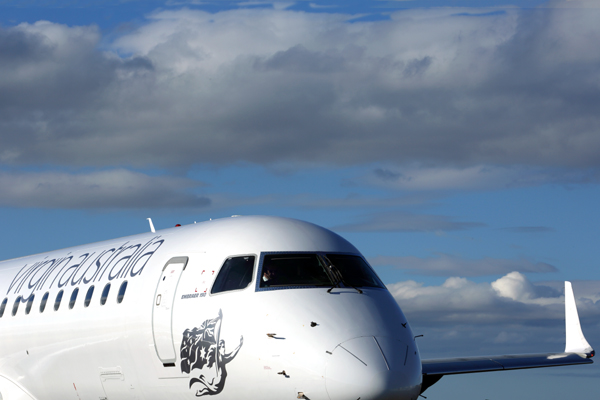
(373, 368)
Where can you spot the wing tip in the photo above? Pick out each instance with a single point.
(575, 341)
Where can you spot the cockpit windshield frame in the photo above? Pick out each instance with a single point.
(332, 275)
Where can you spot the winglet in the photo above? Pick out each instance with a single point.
(575, 342)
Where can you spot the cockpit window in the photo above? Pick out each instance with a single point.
(355, 271)
(293, 270)
(236, 273)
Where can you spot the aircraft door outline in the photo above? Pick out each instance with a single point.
(162, 310)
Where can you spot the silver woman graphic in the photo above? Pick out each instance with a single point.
(202, 349)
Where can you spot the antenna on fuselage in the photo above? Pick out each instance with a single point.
(151, 225)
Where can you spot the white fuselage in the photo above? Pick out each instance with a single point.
(171, 338)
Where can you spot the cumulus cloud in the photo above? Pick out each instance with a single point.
(511, 298)
(435, 87)
(478, 177)
(508, 315)
(450, 265)
(517, 287)
(111, 189)
(407, 222)
(588, 289)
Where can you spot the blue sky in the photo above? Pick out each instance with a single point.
(455, 143)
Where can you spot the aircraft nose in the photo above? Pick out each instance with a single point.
(373, 368)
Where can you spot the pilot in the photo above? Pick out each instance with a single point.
(268, 277)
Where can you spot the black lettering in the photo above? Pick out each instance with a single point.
(20, 277)
(133, 257)
(33, 282)
(99, 264)
(75, 280)
(133, 260)
(47, 274)
(126, 260)
(121, 264)
(68, 274)
(29, 273)
(40, 281)
(144, 258)
(94, 272)
(58, 274)
(109, 262)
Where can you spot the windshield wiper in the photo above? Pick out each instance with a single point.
(338, 277)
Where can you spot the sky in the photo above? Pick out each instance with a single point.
(455, 143)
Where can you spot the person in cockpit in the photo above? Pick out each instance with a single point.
(268, 277)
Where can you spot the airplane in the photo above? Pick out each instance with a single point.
(241, 307)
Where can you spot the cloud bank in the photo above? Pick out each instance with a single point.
(443, 87)
(450, 265)
(407, 222)
(117, 188)
(511, 313)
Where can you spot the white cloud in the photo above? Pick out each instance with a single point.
(509, 299)
(450, 265)
(510, 315)
(355, 200)
(528, 229)
(478, 177)
(515, 286)
(277, 5)
(465, 97)
(438, 178)
(571, 4)
(111, 189)
(407, 222)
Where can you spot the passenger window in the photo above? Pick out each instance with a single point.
(43, 302)
(29, 304)
(236, 273)
(122, 290)
(58, 300)
(16, 306)
(3, 307)
(73, 298)
(88, 296)
(105, 294)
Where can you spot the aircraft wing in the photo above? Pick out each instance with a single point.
(466, 365)
(577, 351)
